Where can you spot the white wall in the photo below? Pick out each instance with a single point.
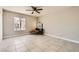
(17, 9)
(8, 24)
(63, 23)
(0, 24)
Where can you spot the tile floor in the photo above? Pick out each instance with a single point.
(37, 43)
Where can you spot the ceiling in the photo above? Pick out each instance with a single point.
(46, 9)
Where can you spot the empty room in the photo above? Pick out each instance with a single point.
(39, 29)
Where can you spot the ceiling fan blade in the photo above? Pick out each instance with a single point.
(32, 12)
(37, 11)
(33, 7)
(40, 9)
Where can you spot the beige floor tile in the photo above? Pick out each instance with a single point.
(37, 43)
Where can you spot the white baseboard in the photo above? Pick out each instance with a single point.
(62, 38)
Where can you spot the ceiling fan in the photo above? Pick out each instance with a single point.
(35, 9)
